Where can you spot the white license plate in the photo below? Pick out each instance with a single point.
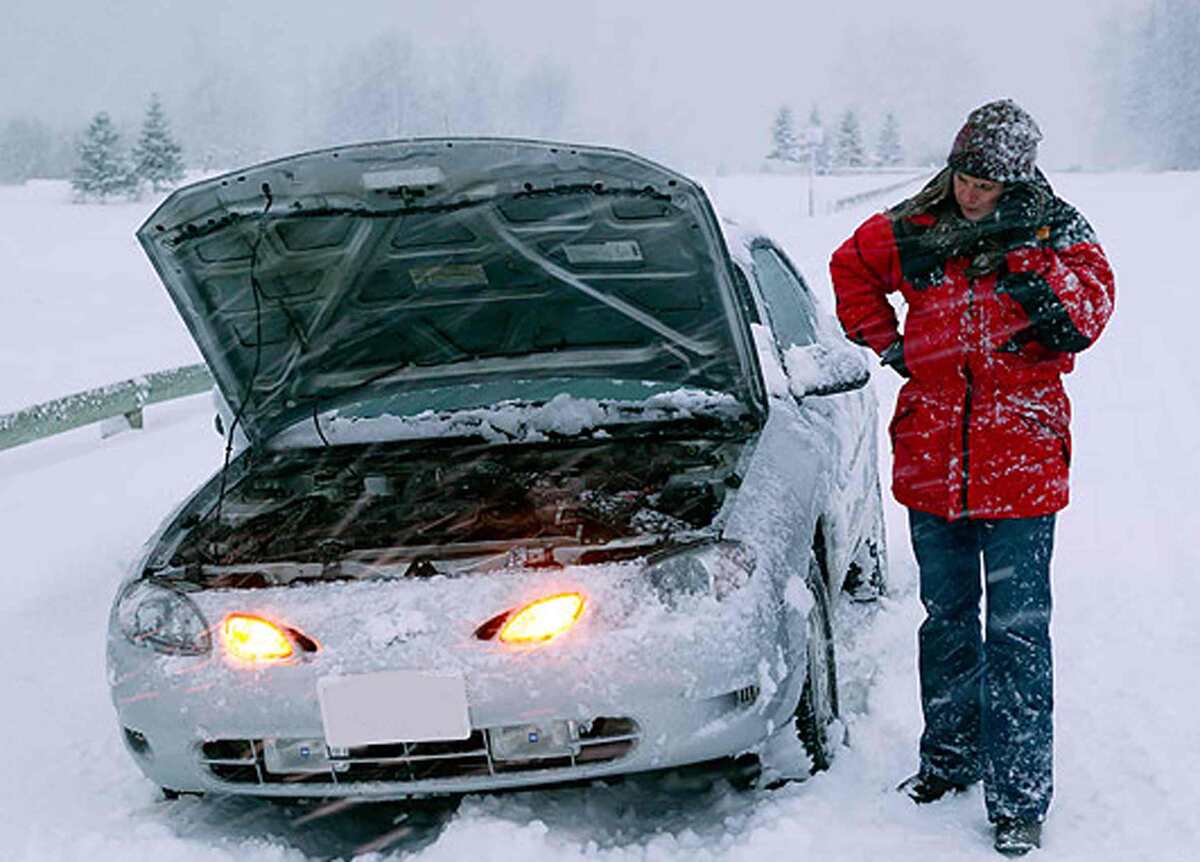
(393, 706)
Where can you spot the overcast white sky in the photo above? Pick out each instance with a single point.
(695, 83)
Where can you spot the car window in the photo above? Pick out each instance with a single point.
(789, 304)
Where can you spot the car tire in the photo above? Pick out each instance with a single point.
(817, 710)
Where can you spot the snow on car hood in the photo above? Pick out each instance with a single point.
(563, 415)
(429, 624)
(412, 265)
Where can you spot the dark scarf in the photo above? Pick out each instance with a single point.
(924, 249)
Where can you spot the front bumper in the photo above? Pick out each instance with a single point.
(667, 735)
(177, 748)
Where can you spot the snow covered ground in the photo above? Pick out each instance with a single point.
(80, 306)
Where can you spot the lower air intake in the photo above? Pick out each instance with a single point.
(246, 761)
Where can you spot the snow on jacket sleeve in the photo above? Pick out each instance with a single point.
(1066, 287)
(864, 269)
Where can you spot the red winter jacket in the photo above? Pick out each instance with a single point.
(981, 429)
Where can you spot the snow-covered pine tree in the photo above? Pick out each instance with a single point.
(848, 149)
(102, 170)
(822, 151)
(889, 151)
(785, 147)
(157, 157)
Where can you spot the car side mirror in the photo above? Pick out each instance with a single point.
(821, 369)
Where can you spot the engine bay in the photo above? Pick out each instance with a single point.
(318, 505)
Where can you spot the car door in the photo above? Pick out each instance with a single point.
(844, 420)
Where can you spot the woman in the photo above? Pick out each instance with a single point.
(1004, 283)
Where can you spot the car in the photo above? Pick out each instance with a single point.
(535, 472)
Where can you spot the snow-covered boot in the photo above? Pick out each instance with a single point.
(1018, 837)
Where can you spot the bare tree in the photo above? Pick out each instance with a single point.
(368, 96)
(1150, 81)
(25, 145)
(541, 99)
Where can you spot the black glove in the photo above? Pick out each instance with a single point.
(893, 357)
(1019, 215)
(1049, 322)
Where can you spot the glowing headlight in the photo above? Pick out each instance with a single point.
(714, 568)
(162, 618)
(253, 639)
(542, 620)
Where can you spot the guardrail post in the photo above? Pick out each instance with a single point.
(131, 421)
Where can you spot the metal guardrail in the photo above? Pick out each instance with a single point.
(125, 399)
(863, 197)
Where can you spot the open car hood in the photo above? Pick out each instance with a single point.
(401, 266)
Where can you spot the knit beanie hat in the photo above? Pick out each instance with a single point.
(998, 143)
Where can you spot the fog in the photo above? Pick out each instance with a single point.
(694, 84)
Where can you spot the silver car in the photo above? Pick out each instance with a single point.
(534, 472)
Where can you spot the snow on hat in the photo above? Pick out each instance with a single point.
(999, 143)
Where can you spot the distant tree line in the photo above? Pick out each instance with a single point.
(385, 87)
(1148, 76)
(388, 86)
(837, 149)
(93, 159)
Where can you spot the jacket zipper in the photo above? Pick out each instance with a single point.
(966, 422)
(966, 446)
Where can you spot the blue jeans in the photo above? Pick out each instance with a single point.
(988, 703)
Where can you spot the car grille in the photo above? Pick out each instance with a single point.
(242, 761)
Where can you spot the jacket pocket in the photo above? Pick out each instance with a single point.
(1046, 428)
